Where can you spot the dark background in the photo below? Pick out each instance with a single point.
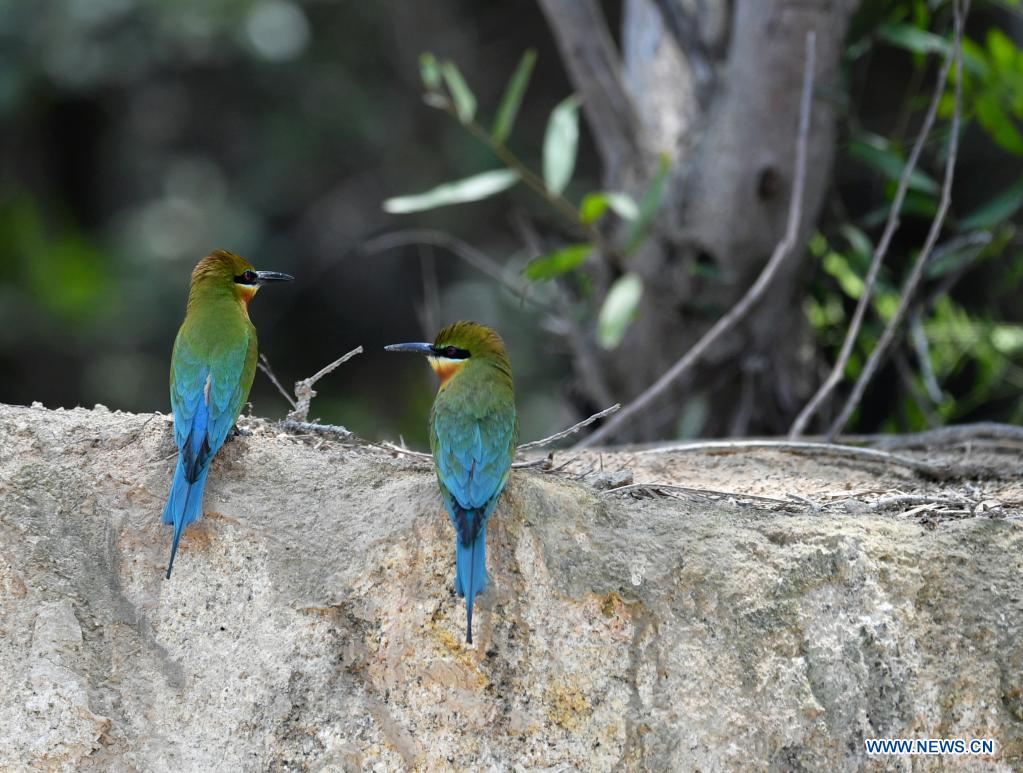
(136, 136)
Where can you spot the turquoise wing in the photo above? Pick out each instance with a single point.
(232, 371)
(473, 455)
(188, 374)
(208, 390)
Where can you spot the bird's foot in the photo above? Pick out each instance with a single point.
(237, 431)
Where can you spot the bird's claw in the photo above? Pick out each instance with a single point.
(237, 431)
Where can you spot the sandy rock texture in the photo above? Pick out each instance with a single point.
(311, 624)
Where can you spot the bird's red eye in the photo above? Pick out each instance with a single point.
(250, 277)
(451, 352)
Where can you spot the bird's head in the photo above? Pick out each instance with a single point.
(458, 346)
(223, 270)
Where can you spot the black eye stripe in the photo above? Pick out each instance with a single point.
(248, 278)
(451, 352)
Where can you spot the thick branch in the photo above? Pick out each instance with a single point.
(685, 29)
(759, 287)
(589, 53)
(457, 247)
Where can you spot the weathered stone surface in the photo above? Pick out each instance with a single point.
(311, 624)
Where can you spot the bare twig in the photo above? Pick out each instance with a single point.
(405, 451)
(891, 226)
(700, 492)
(533, 181)
(936, 471)
(759, 287)
(300, 425)
(304, 391)
(544, 463)
(423, 457)
(923, 357)
(591, 380)
(909, 288)
(347, 437)
(977, 240)
(900, 500)
(919, 396)
(588, 50)
(943, 436)
(264, 365)
(474, 257)
(570, 431)
(429, 312)
(814, 507)
(880, 504)
(327, 430)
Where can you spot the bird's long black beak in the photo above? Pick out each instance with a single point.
(264, 277)
(418, 348)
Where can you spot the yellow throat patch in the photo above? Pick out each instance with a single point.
(445, 367)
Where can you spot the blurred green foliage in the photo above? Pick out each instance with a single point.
(960, 358)
(137, 135)
(447, 90)
(66, 275)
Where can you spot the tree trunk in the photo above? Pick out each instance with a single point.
(716, 85)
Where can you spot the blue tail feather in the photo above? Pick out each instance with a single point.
(471, 572)
(184, 505)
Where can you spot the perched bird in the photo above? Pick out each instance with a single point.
(212, 367)
(473, 429)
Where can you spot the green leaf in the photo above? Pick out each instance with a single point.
(817, 244)
(1007, 339)
(619, 309)
(512, 98)
(594, 205)
(465, 102)
(975, 59)
(920, 204)
(1003, 50)
(951, 257)
(1000, 126)
(921, 14)
(557, 263)
(861, 245)
(838, 267)
(914, 39)
(560, 144)
(877, 152)
(429, 71)
(995, 211)
(649, 205)
(474, 188)
(886, 304)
